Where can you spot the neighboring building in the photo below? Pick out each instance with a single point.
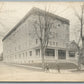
(1, 56)
(73, 50)
(20, 47)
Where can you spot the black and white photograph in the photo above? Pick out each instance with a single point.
(42, 41)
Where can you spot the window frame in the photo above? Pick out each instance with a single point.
(72, 52)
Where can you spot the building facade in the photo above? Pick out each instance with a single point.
(19, 45)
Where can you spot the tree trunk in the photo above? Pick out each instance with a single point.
(79, 64)
(79, 60)
(42, 56)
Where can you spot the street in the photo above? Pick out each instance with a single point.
(13, 73)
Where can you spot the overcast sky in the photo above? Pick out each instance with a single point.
(12, 12)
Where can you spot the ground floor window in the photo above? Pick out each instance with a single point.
(50, 52)
(61, 54)
(37, 52)
(23, 54)
(26, 54)
(19, 55)
(71, 54)
(30, 52)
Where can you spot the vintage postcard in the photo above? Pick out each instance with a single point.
(42, 41)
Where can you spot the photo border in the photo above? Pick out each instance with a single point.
(13, 82)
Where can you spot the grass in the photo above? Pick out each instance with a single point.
(53, 65)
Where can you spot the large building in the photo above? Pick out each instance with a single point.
(20, 47)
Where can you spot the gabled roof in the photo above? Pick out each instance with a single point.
(35, 11)
(73, 46)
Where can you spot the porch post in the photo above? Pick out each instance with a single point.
(67, 55)
(56, 54)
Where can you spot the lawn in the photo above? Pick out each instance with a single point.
(53, 65)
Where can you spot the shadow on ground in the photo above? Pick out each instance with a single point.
(77, 71)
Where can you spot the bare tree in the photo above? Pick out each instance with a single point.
(81, 38)
(42, 28)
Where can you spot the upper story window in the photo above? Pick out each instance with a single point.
(59, 25)
(56, 25)
(36, 41)
(56, 35)
(50, 43)
(56, 43)
(66, 44)
(53, 43)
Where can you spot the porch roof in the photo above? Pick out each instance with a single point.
(50, 47)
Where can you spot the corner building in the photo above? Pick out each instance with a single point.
(20, 47)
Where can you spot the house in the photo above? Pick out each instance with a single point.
(20, 47)
(1, 56)
(73, 50)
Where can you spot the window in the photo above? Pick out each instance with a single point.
(71, 54)
(53, 43)
(66, 44)
(26, 54)
(50, 43)
(36, 41)
(50, 52)
(58, 25)
(37, 52)
(61, 54)
(54, 26)
(56, 43)
(23, 54)
(30, 52)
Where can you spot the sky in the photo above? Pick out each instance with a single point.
(12, 12)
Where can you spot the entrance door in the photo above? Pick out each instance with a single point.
(61, 54)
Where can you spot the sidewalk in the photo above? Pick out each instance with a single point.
(26, 66)
(40, 69)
